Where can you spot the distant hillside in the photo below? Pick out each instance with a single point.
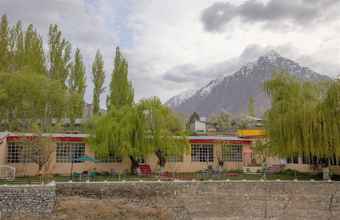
(231, 93)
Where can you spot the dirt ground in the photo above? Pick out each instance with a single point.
(87, 208)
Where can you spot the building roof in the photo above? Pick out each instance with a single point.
(216, 138)
(51, 135)
(81, 137)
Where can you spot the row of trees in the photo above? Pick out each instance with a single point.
(38, 86)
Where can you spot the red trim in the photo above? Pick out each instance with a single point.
(69, 139)
(57, 139)
(18, 138)
(254, 137)
(204, 141)
(212, 141)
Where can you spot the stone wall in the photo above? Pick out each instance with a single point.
(26, 200)
(219, 200)
(175, 200)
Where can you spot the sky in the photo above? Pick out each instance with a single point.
(176, 45)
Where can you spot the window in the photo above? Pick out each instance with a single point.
(202, 153)
(111, 158)
(19, 152)
(68, 152)
(174, 158)
(232, 152)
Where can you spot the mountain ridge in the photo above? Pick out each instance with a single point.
(230, 93)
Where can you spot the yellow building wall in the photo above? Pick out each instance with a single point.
(65, 168)
(3, 151)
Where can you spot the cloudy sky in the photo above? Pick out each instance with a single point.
(175, 45)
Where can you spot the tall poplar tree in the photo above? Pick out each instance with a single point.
(121, 91)
(34, 56)
(17, 50)
(59, 55)
(77, 87)
(98, 77)
(251, 106)
(4, 43)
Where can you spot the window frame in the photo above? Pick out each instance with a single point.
(202, 153)
(233, 154)
(19, 157)
(70, 149)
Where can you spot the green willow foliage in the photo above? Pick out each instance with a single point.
(304, 118)
(138, 130)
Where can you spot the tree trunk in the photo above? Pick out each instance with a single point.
(134, 165)
(326, 170)
(161, 158)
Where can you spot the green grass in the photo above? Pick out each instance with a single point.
(285, 175)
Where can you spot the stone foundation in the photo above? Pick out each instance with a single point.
(27, 200)
(221, 200)
(175, 200)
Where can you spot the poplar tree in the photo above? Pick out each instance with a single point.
(17, 50)
(98, 77)
(34, 57)
(29, 98)
(4, 43)
(251, 106)
(77, 87)
(121, 91)
(59, 55)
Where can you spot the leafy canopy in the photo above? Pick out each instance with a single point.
(304, 117)
(138, 130)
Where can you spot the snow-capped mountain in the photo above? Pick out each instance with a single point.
(180, 98)
(231, 93)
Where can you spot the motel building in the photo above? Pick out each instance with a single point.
(205, 151)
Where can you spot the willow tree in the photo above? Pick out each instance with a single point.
(304, 117)
(164, 129)
(137, 131)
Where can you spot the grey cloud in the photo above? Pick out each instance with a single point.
(298, 12)
(192, 77)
